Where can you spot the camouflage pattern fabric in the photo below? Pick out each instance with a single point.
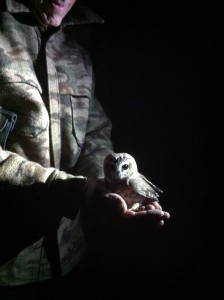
(61, 132)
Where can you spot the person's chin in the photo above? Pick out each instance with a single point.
(53, 22)
(45, 20)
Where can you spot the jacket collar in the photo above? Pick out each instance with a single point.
(78, 15)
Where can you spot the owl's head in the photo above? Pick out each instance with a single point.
(119, 166)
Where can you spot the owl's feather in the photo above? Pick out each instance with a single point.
(123, 178)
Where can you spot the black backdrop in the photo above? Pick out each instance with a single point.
(158, 75)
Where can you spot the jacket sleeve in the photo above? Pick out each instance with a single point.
(97, 142)
(18, 171)
(28, 139)
(27, 184)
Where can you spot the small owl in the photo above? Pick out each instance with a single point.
(122, 176)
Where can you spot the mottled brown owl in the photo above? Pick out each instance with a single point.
(122, 177)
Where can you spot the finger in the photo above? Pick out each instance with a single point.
(157, 205)
(161, 223)
(150, 207)
(166, 215)
(160, 214)
(153, 214)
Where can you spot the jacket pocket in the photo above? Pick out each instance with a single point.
(7, 123)
(80, 115)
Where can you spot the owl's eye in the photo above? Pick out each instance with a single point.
(125, 167)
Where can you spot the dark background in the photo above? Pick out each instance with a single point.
(159, 77)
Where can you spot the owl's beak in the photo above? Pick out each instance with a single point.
(118, 174)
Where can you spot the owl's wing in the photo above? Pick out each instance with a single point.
(141, 185)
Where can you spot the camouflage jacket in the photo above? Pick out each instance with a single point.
(61, 130)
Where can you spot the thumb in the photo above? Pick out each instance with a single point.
(116, 203)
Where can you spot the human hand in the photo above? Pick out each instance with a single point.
(110, 208)
(114, 232)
